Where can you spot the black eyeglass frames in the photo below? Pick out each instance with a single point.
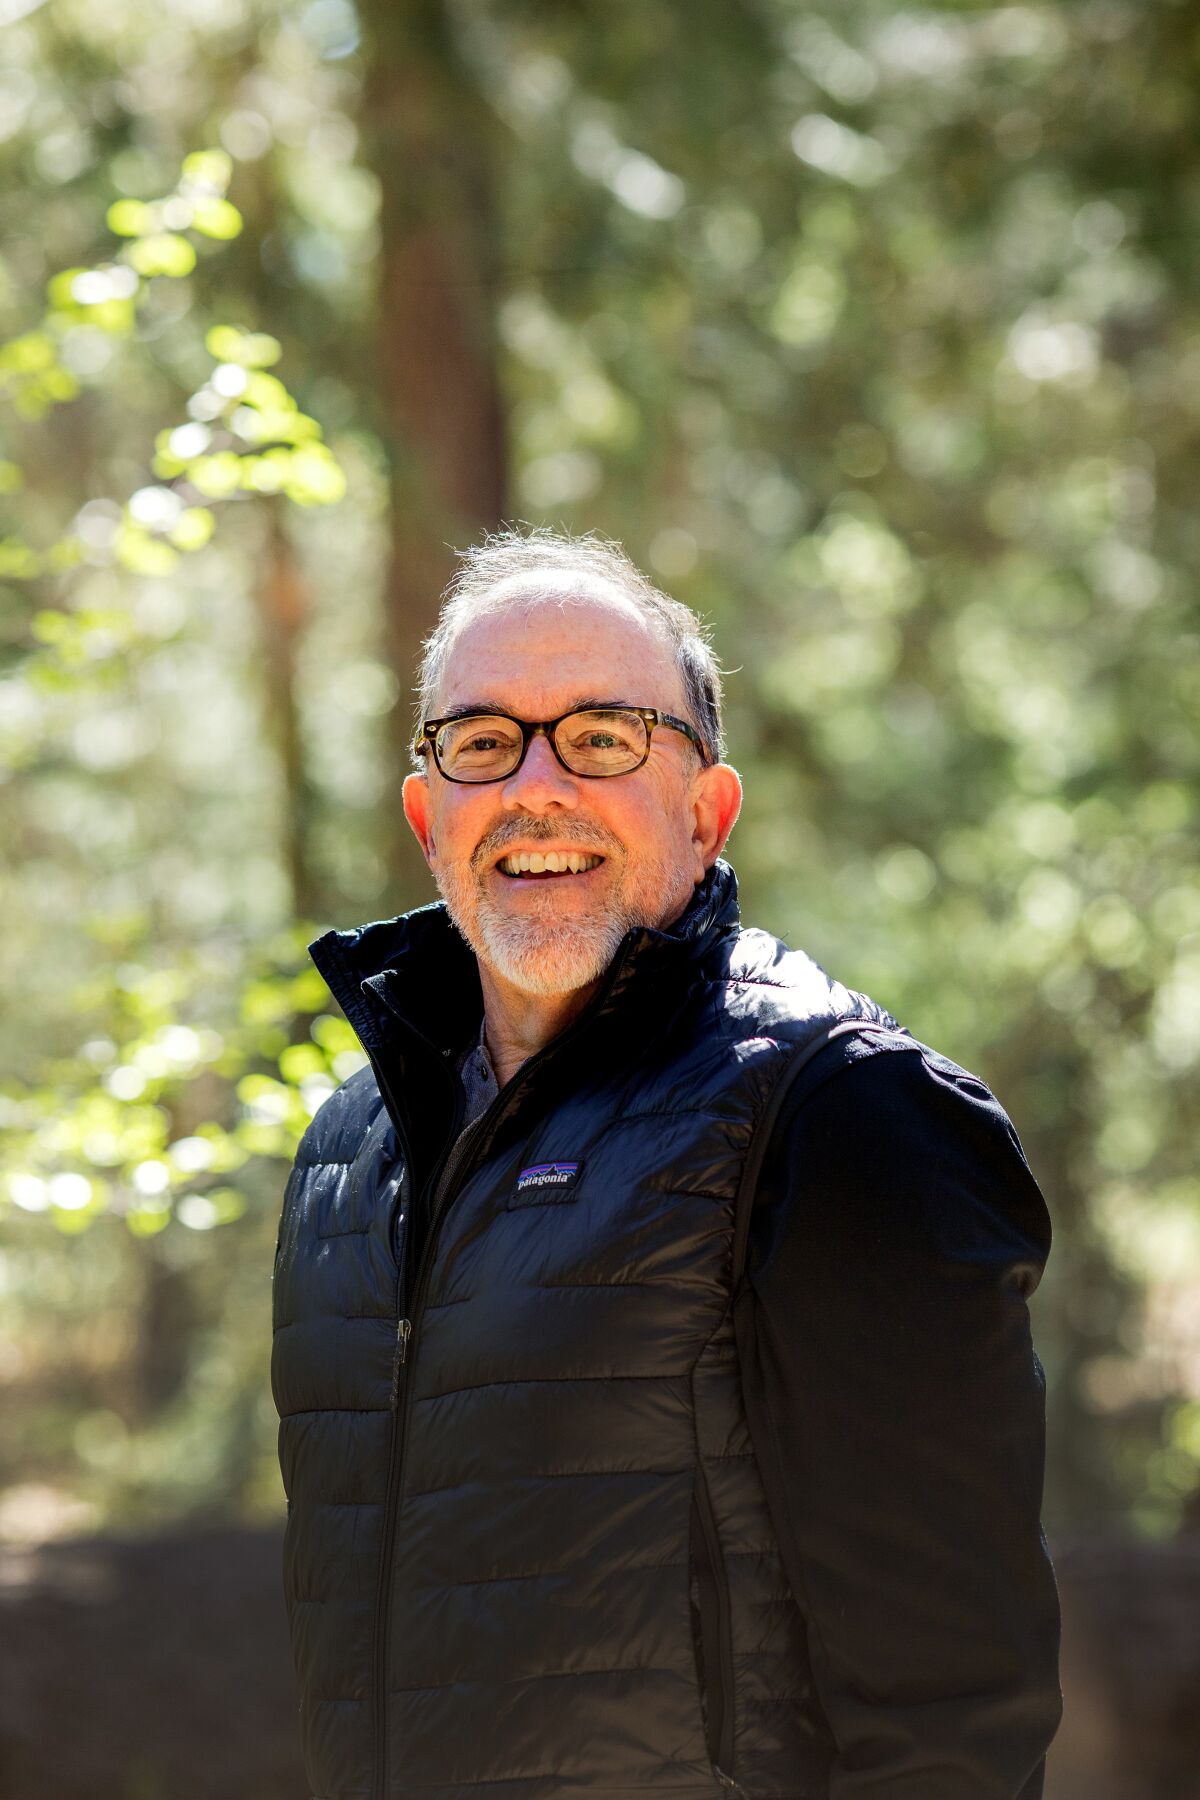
(593, 741)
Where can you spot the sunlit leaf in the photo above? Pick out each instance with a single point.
(137, 550)
(334, 1034)
(34, 350)
(145, 1221)
(193, 528)
(268, 392)
(315, 477)
(50, 627)
(299, 1060)
(130, 218)
(266, 474)
(66, 553)
(207, 169)
(162, 253)
(259, 349)
(18, 561)
(60, 289)
(216, 476)
(217, 218)
(59, 384)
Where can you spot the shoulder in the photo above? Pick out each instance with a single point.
(901, 1086)
(341, 1122)
(885, 1141)
(763, 977)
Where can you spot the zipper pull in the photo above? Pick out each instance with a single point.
(403, 1333)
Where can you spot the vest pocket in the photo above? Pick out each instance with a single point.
(709, 1596)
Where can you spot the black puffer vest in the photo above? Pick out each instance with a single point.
(528, 1551)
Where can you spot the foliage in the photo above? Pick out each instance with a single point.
(872, 333)
(243, 434)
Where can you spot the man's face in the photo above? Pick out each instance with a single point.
(554, 933)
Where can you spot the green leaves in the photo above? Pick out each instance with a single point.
(246, 437)
(871, 332)
(162, 253)
(98, 1138)
(130, 218)
(197, 203)
(106, 296)
(32, 376)
(250, 436)
(252, 349)
(216, 219)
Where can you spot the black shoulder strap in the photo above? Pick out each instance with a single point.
(762, 1136)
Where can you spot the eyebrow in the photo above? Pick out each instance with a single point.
(582, 702)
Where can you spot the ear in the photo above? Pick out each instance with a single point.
(716, 801)
(419, 813)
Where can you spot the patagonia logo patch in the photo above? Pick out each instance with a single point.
(546, 1181)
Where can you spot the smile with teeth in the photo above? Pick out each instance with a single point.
(553, 862)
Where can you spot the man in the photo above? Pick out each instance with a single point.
(658, 1407)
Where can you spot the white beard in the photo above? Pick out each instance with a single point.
(546, 956)
(544, 953)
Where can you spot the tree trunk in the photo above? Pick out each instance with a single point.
(283, 606)
(430, 136)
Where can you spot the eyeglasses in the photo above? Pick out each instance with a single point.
(595, 742)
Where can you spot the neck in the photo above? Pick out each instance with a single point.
(518, 1024)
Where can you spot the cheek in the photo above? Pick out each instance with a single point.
(657, 830)
(458, 826)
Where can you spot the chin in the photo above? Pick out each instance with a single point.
(546, 957)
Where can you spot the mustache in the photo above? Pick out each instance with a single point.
(544, 831)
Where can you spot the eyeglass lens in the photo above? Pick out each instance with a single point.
(487, 746)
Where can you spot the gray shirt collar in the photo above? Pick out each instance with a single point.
(478, 1077)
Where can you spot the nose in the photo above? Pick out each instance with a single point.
(541, 783)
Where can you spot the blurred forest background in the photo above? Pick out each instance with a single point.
(872, 332)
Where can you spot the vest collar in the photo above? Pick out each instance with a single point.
(416, 968)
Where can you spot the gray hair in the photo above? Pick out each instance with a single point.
(537, 551)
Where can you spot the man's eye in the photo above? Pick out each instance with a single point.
(602, 737)
(479, 744)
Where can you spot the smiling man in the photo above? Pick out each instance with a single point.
(658, 1407)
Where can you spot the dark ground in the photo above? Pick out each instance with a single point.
(159, 1669)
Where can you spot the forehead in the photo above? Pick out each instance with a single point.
(549, 646)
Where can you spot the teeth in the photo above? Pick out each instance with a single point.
(554, 862)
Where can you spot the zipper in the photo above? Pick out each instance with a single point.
(444, 1188)
(399, 1356)
(715, 1632)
